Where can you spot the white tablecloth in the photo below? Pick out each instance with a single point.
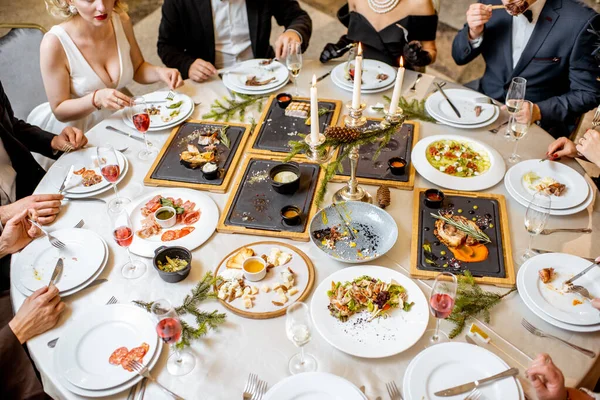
(242, 346)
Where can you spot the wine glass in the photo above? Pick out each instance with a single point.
(515, 97)
(518, 126)
(169, 330)
(293, 61)
(441, 303)
(108, 162)
(536, 217)
(141, 121)
(297, 326)
(123, 235)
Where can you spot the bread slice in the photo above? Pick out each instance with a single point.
(237, 260)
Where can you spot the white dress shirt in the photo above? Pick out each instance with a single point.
(232, 32)
(8, 177)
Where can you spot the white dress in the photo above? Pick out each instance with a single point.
(84, 80)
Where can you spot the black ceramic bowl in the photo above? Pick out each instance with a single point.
(397, 170)
(284, 99)
(161, 254)
(291, 215)
(289, 187)
(210, 175)
(434, 198)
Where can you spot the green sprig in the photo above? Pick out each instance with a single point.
(464, 227)
(415, 110)
(237, 104)
(223, 136)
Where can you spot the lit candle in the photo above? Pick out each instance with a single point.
(357, 78)
(397, 87)
(314, 111)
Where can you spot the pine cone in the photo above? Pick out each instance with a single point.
(342, 133)
(383, 196)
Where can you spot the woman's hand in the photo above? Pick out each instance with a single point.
(415, 55)
(561, 147)
(171, 77)
(111, 99)
(589, 146)
(547, 380)
(18, 233)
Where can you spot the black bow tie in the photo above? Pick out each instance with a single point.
(529, 15)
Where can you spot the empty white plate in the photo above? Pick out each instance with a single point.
(314, 386)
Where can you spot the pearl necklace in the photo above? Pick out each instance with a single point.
(383, 6)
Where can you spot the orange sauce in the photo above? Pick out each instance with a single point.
(290, 214)
(397, 164)
(254, 266)
(476, 253)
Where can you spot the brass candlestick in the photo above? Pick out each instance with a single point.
(353, 192)
(320, 156)
(395, 118)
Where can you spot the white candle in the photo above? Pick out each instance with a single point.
(397, 87)
(314, 111)
(357, 78)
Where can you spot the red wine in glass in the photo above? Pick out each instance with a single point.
(111, 172)
(169, 330)
(123, 236)
(441, 305)
(141, 122)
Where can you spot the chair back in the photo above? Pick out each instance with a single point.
(20, 67)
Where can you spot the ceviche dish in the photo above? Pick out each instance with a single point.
(457, 158)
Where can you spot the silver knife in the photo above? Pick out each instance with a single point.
(319, 79)
(540, 251)
(57, 271)
(449, 102)
(88, 199)
(67, 178)
(142, 391)
(112, 128)
(471, 385)
(582, 273)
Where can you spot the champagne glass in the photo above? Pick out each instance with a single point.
(169, 330)
(518, 126)
(441, 303)
(297, 326)
(293, 61)
(108, 162)
(536, 217)
(515, 97)
(141, 121)
(123, 235)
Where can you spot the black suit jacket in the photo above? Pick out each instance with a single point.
(186, 30)
(562, 76)
(20, 139)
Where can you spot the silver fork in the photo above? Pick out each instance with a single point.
(596, 119)
(474, 394)
(67, 148)
(496, 129)
(572, 230)
(143, 371)
(170, 95)
(393, 391)
(250, 387)
(580, 290)
(260, 390)
(532, 329)
(53, 241)
(79, 224)
(112, 300)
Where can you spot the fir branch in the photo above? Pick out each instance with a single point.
(415, 110)
(237, 104)
(322, 111)
(223, 136)
(478, 235)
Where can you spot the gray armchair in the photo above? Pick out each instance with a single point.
(20, 67)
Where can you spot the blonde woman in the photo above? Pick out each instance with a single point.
(86, 59)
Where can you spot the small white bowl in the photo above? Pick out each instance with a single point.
(255, 276)
(166, 223)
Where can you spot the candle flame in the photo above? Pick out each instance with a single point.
(359, 49)
(401, 62)
(314, 81)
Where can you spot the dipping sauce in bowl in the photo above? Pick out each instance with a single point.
(285, 177)
(254, 268)
(397, 165)
(434, 198)
(284, 99)
(291, 215)
(210, 170)
(166, 217)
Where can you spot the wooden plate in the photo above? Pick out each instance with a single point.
(263, 308)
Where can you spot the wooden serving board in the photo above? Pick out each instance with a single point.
(167, 170)
(263, 307)
(498, 269)
(253, 208)
(376, 172)
(274, 130)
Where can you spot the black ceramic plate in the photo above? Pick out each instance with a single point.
(170, 169)
(399, 146)
(256, 205)
(479, 208)
(278, 129)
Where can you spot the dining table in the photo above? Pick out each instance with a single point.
(241, 346)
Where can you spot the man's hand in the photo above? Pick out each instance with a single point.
(536, 115)
(547, 379)
(561, 147)
(18, 233)
(171, 77)
(39, 313)
(46, 206)
(589, 146)
(70, 138)
(477, 16)
(201, 70)
(283, 43)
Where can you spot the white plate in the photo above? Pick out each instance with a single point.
(474, 126)
(568, 211)
(314, 386)
(341, 85)
(576, 192)
(229, 84)
(83, 256)
(96, 192)
(446, 365)
(205, 226)
(84, 350)
(156, 123)
(538, 311)
(371, 68)
(486, 180)
(382, 337)
(464, 100)
(248, 68)
(551, 299)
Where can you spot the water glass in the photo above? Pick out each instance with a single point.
(536, 217)
(298, 329)
(293, 61)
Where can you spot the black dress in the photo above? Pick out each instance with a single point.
(387, 44)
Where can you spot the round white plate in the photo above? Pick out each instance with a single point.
(576, 192)
(83, 256)
(156, 123)
(538, 311)
(228, 82)
(568, 211)
(474, 126)
(382, 337)
(464, 100)
(84, 350)
(550, 297)
(341, 85)
(447, 365)
(248, 68)
(486, 180)
(314, 386)
(95, 192)
(205, 226)
(370, 70)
